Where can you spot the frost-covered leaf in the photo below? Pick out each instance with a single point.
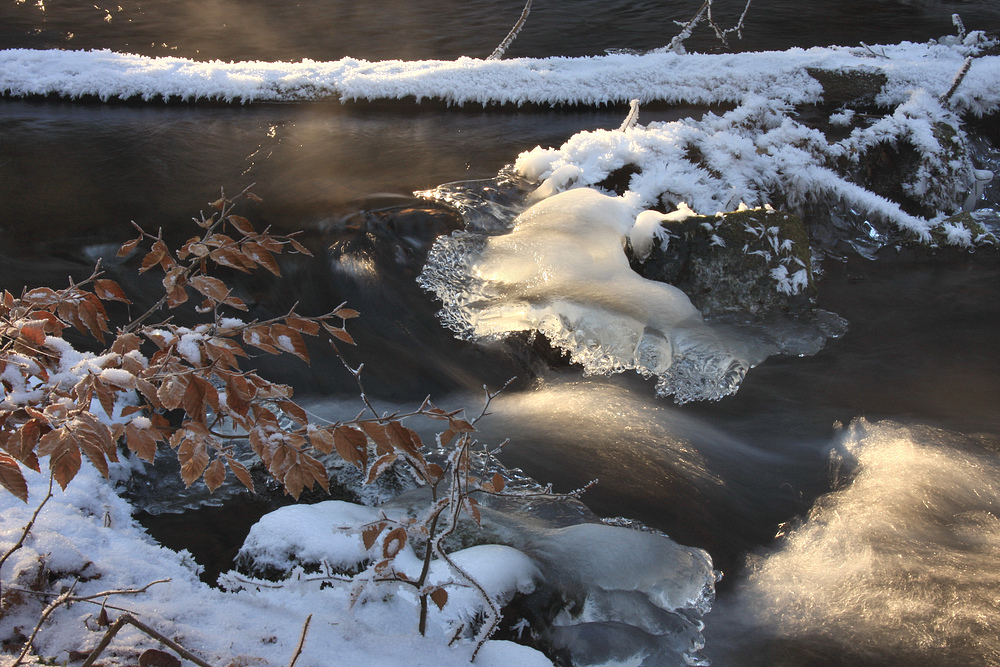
(238, 394)
(380, 466)
(394, 542)
(472, 507)
(295, 411)
(377, 432)
(128, 247)
(346, 313)
(370, 534)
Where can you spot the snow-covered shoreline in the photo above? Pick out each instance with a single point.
(666, 77)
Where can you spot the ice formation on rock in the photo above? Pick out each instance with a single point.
(562, 271)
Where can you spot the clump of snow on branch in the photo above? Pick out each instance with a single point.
(759, 154)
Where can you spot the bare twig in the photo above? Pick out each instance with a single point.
(142, 627)
(27, 527)
(512, 35)
(51, 607)
(302, 641)
(957, 81)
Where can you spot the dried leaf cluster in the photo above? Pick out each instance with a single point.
(160, 383)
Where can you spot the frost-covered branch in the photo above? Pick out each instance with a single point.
(704, 13)
(512, 35)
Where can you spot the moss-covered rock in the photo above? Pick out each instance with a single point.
(753, 261)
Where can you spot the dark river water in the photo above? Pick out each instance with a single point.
(919, 363)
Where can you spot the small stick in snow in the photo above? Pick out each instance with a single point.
(302, 641)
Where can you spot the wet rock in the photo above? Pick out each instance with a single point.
(754, 261)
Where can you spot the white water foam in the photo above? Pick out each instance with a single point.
(900, 565)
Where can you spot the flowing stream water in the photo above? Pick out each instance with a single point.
(877, 460)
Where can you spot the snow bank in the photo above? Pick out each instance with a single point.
(618, 78)
(87, 535)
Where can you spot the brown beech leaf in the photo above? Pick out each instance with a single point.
(11, 477)
(33, 333)
(219, 203)
(339, 333)
(241, 472)
(461, 426)
(439, 597)
(346, 313)
(154, 256)
(172, 390)
(352, 446)
(301, 471)
(295, 411)
(238, 394)
(215, 475)
(371, 533)
(380, 466)
(289, 340)
(176, 296)
(321, 440)
(261, 255)
(233, 259)
(198, 397)
(242, 224)
(299, 247)
(193, 456)
(64, 455)
(393, 543)
(259, 337)
(303, 325)
(109, 290)
(445, 437)
(142, 441)
(498, 482)
(376, 431)
(213, 288)
(125, 343)
(129, 246)
(435, 472)
(472, 507)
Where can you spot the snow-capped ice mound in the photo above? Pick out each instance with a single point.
(562, 271)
